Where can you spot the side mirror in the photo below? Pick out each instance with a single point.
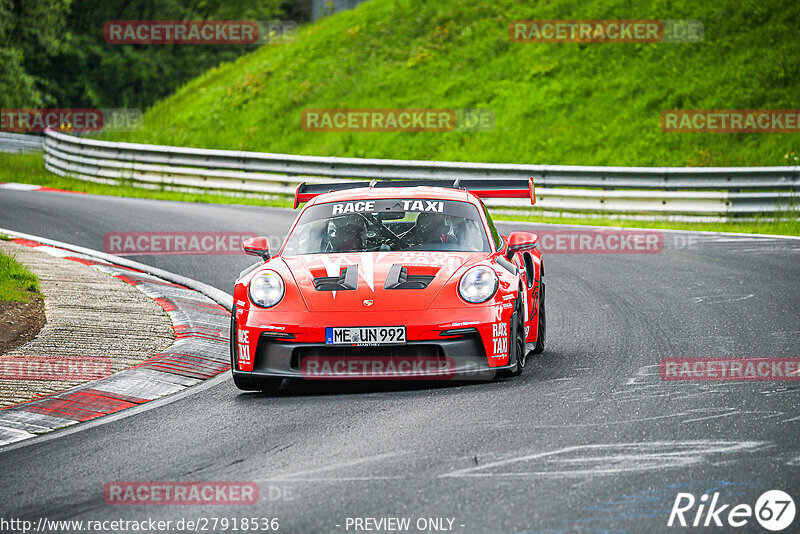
(520, 241)
(257, 246)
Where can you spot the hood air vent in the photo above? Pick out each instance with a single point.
(400, 279)
(346, 281)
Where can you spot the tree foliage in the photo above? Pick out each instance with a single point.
(53, 53)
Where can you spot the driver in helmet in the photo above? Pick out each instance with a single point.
(437, 228)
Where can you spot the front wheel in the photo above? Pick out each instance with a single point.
(268, 385)
(253, 383)
(518, 349)
(541, 334)
(247, 382)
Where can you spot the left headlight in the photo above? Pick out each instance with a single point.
(478, 284)
(266, 289)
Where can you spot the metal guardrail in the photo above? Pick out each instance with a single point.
(656, 190)
(16, 143)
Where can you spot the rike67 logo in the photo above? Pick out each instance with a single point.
(774, 510)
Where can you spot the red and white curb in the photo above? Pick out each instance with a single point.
(33, 187)
(200, 351)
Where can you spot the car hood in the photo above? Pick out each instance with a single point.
(373, 270)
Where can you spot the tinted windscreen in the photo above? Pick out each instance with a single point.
(388, 225)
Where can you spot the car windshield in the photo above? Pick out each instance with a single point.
(388, 225)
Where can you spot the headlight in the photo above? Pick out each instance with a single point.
(478, 284)
(266, 289)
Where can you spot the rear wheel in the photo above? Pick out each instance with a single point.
(541, 336)
(518, 351)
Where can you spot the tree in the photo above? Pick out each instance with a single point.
(56, 56)
(32, 33)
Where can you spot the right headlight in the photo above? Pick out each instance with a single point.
(478, 284)
(266, 289)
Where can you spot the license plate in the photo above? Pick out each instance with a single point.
(365, 335)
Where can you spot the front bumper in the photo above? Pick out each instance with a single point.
(463, 347)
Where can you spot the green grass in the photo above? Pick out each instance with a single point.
(17, 282)
(582, 104)
(28, 169)
(781, 226)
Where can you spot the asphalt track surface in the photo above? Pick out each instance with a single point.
(588, 439)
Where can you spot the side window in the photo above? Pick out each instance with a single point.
(498, 241)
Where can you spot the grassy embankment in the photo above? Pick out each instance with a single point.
(581, 104)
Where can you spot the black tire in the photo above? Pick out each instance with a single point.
(243, 382)
(257, 383)
(248, 382)
(232, 340)
(267, 385)
(517, 338)
(541, 336)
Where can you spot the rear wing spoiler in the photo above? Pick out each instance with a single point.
(512, 188)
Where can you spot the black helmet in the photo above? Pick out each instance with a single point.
(347, 237)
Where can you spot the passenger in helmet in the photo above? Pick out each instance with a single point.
(348, 236)
(458, 229)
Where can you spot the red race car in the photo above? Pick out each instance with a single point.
(390, 280)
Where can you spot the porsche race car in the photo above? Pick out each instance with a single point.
(390, 280)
